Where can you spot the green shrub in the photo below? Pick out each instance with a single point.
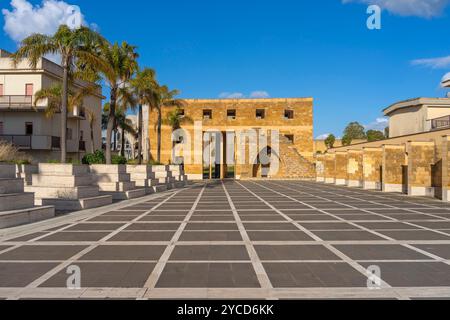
(155, 163)
(118, 160)
(54, 161)
(98, 157)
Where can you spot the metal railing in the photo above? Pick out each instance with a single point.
(33, 142)
(440, 123)
(16, 101)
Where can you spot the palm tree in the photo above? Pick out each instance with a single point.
(91, 119)
(74, 47)
(174, 120)
(164, 98)
(127, 127)
(143, 86)
(120, 63)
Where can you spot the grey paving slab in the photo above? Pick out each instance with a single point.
(294, 252)
(74, 236)
(329, 226)
(153, 227)
(154, 218)
(286, 226)
(279, 236)
(211, 236)
(360, 252)
(28, 237)
(95, 227)
(124, 253)
(19, 275)
(314, 275)
(347, 235)
(208, 275)
(215, 218)
(415, 235)
(142, 236)
(193, 226)
(415, 274)
(440, 250)
(209, 253)
(106, 275)
(41, 253)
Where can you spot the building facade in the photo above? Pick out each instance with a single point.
(242, 139)
(26, 126)
(417, 116)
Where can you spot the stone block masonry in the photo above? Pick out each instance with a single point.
(330, 168)
(341, 168)
(394, 169)
(372, 168)
(355, 168)
(421, 159)
(320, 168)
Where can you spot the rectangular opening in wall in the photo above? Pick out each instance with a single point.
(288, 114)
(231, 114)
(260, 114)
(1, 90)
(207, 114)
(1, 128)
(29, 128)
(29, 89)
(290, 138)
(181, 113)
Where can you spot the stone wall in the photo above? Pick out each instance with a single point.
(297, 159)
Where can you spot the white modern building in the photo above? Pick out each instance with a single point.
(418, 115)
(28, 128)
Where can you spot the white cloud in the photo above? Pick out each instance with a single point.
(238, 95)
(419, 8)
(379, 124)
(434, 63)
(446, 77)
(25, 19)
(259, 94)
(231, 95)
(323, 136)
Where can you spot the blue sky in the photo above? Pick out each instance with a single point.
(285, 48)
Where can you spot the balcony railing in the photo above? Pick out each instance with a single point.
(34, 142)
(440, 123)
(16, 101)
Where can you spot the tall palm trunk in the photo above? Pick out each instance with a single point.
(110, 128)
(122, 142)
(91, 125)
(140, 134)
(64, 104)
(159, 135)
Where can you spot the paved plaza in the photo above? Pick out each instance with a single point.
(242, 240)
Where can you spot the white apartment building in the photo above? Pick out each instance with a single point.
(28, 128)
(417, 116)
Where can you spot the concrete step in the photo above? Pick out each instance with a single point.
(16, 201)
(64, 193)
(41, 180)
(160, 168)
(126, 195)
(116, 186)
(11, 185)
(110, 177)
(14, 218)
(159, 188)
(145, 183)
(100, 169)
(52, 169)
(142, 176)
(162, 174)
(7, 171)
(75, 205)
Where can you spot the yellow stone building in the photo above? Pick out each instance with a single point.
(231, 138)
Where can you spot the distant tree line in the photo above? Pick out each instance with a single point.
(355, 131)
